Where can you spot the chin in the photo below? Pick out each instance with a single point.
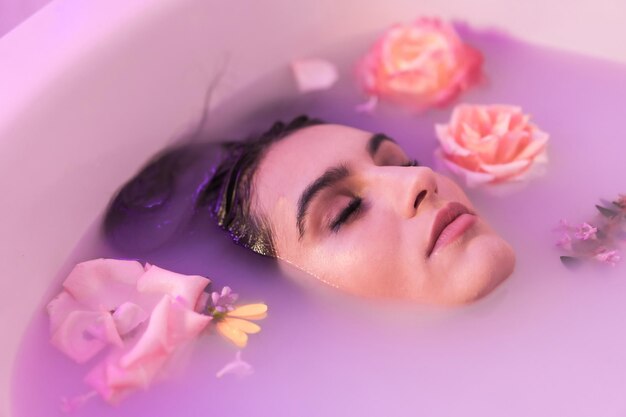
(485, 274)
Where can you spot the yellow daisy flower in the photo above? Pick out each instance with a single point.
(235, 326)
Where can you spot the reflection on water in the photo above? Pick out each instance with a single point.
(547, 342)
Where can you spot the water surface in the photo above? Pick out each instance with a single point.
(548, 342)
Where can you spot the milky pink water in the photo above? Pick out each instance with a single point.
(549, 342)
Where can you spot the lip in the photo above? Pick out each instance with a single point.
(445, 217)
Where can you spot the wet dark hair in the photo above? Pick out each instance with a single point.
(146, 212)
(227, 194)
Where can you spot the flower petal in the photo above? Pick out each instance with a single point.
(469, 135)
(486, 147)
(235, 335)
(448, 143)
(367, 107)
(510, 144)
(535, 170)
(184, 324)
(506, 170)
(248, 311)
(113, 382)
(159, 280)
(314, 74)
(501, 126)
(171, 324)
(472, 178)
(60, 307)
(85, 333)
(153, 343)
(243, 325)
(202, 302)
(128, 316)
(536, 146)
(103, 284)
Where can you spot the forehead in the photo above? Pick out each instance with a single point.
(291, 164)
(315, 148)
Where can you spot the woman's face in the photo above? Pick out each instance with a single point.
(347, 207)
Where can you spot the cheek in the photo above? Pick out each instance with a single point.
(493, 261)
(367, 258)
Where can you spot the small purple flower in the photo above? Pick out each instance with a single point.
(563, 225)
(224, 301)
(610, 257)
(565, 242)
(621, 201)
(586, 231)
(602, 237)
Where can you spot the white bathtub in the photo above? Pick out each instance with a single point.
(89, 90)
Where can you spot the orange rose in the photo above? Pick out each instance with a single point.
(420, 65)
(491, 144)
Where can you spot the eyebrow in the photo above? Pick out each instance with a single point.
(375, 141)
(329, 178)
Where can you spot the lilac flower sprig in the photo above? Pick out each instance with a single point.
(597, 240)
(233, 322)
(223, 302)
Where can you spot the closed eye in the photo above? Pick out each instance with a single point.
(354, 207)
(356, 204)
(411, 163)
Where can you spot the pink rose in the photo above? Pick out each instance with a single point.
(143, 316)
(422, 64)
(491, 145)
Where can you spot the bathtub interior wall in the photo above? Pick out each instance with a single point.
(89, 91)
(15, 12)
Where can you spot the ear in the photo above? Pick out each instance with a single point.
(155, 205)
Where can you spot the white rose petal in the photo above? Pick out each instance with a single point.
(314, 74)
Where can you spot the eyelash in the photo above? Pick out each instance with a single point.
(411, 163)
(355, 205)
(350, 210)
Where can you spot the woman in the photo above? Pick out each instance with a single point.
(351, 209)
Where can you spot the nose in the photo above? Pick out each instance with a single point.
(403, 188)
